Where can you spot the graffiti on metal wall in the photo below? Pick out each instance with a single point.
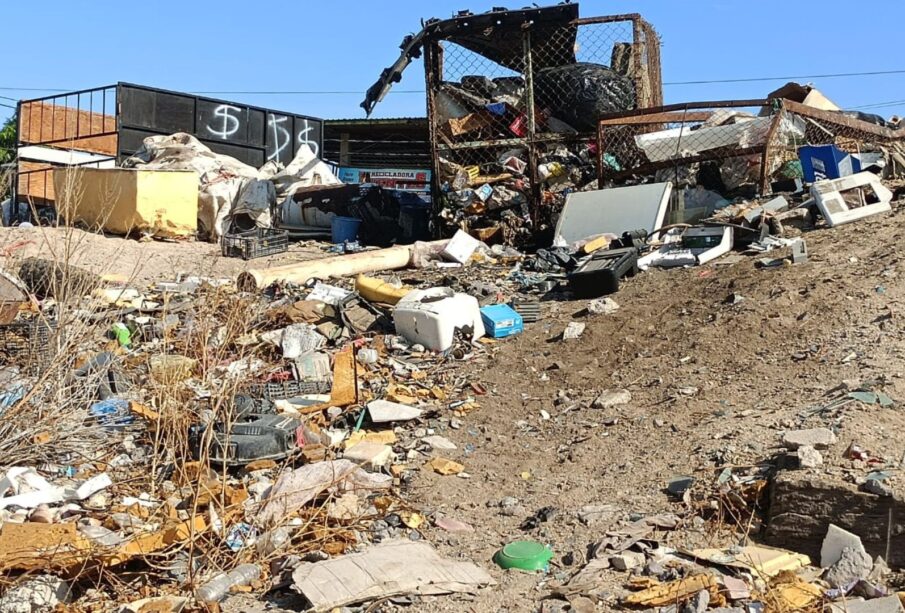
(226, 122)
(280, 140)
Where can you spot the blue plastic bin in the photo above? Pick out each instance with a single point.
(827, 162)
(344, 229)
(501, 320)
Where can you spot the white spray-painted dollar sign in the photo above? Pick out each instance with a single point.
(230, 123)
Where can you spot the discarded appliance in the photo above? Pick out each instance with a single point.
(501, 321)
(851, 198)
(431, 317)
(691, 247)
(613, 211)
(121, 201)
(601, 273)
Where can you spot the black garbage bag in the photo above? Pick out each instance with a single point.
(580, 93)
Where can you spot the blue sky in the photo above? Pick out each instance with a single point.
(342, 45)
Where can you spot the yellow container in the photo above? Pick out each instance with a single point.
(122, 201)
(376, 290)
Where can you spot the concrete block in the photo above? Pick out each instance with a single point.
(835, 543)
(818, 438)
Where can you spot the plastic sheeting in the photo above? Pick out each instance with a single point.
(229, 189)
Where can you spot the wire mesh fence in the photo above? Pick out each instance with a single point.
(714, 152)
(514, 129)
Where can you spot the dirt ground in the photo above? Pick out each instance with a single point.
(719, 361)
(135, 261)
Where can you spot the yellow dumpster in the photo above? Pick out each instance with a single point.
(163, 203)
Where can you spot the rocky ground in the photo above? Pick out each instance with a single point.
(719, 362)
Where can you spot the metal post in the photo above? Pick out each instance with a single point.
(432, 77)
(14, 177)
(533, 157)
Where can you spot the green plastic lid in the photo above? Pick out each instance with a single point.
(524, 555)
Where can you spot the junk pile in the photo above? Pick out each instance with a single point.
(514, 99)
(206, 440)
(231, 194)
(255, 212)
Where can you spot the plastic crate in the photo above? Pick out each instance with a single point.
(257, 243)
(289, 389)
(29, 344)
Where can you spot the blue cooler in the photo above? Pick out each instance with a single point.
(501, 320)
(823, 162)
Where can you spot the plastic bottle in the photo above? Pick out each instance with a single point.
(273, 540)
(218, 587)
(368, 356)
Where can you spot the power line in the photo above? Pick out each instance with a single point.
(421, 91)
(791, 78)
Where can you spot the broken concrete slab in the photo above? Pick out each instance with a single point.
(384, 411)
(808, 457)
(627, 560)
(890, 604)
(439, 443)
(818, 438)
(854, 564)
(375, 455)
(835, 543)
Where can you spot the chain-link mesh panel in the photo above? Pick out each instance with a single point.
(487, 193)
(715, 150)
(513, 134)
(872, 142)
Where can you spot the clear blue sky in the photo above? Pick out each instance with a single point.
(342, 45)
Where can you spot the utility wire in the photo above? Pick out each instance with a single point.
(420, 91)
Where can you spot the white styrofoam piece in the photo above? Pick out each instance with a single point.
(430, 317)
(460, 247)
(613, 211)
(836, 211)
(384, 411)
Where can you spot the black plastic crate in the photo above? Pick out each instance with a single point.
(257, 243)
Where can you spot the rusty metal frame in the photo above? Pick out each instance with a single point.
(653, 119)
(648, 86)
